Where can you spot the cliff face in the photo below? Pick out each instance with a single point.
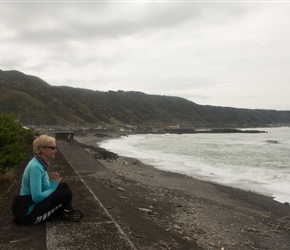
(33, 100)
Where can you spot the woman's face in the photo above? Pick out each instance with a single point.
(48, 152)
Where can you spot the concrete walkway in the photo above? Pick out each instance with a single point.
(98, 230)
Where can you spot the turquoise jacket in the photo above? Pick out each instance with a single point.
(36, 182)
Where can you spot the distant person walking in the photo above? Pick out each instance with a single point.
(42, 198)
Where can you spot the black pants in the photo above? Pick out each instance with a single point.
(52, 206)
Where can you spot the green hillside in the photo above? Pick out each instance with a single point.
(33, 100)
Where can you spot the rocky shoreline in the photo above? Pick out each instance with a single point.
(203, 214)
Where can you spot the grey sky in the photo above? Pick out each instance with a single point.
(233, 54)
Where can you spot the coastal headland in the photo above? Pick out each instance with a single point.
(156, 208)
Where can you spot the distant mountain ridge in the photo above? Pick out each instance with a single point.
(32, 99)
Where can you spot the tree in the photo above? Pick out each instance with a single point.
(14, 142)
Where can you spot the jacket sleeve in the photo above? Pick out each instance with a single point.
(36, 185)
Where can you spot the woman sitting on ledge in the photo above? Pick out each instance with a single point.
(43, 198)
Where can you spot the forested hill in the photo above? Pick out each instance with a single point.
(33, 100)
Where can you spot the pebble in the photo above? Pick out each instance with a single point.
(121, 189)
(251, 229)
(187, 238)
(146, 210)
(176, 227)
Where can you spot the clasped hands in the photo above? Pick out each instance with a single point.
(55, 176)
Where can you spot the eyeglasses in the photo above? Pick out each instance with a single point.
(52, 147)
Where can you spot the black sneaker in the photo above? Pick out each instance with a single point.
(72, 215)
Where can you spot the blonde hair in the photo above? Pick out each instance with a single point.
(42, 141)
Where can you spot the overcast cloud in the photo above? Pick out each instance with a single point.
(233, 54)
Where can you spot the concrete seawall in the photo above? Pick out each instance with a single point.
(97, 230)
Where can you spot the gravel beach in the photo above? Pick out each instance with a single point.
(164, 210)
